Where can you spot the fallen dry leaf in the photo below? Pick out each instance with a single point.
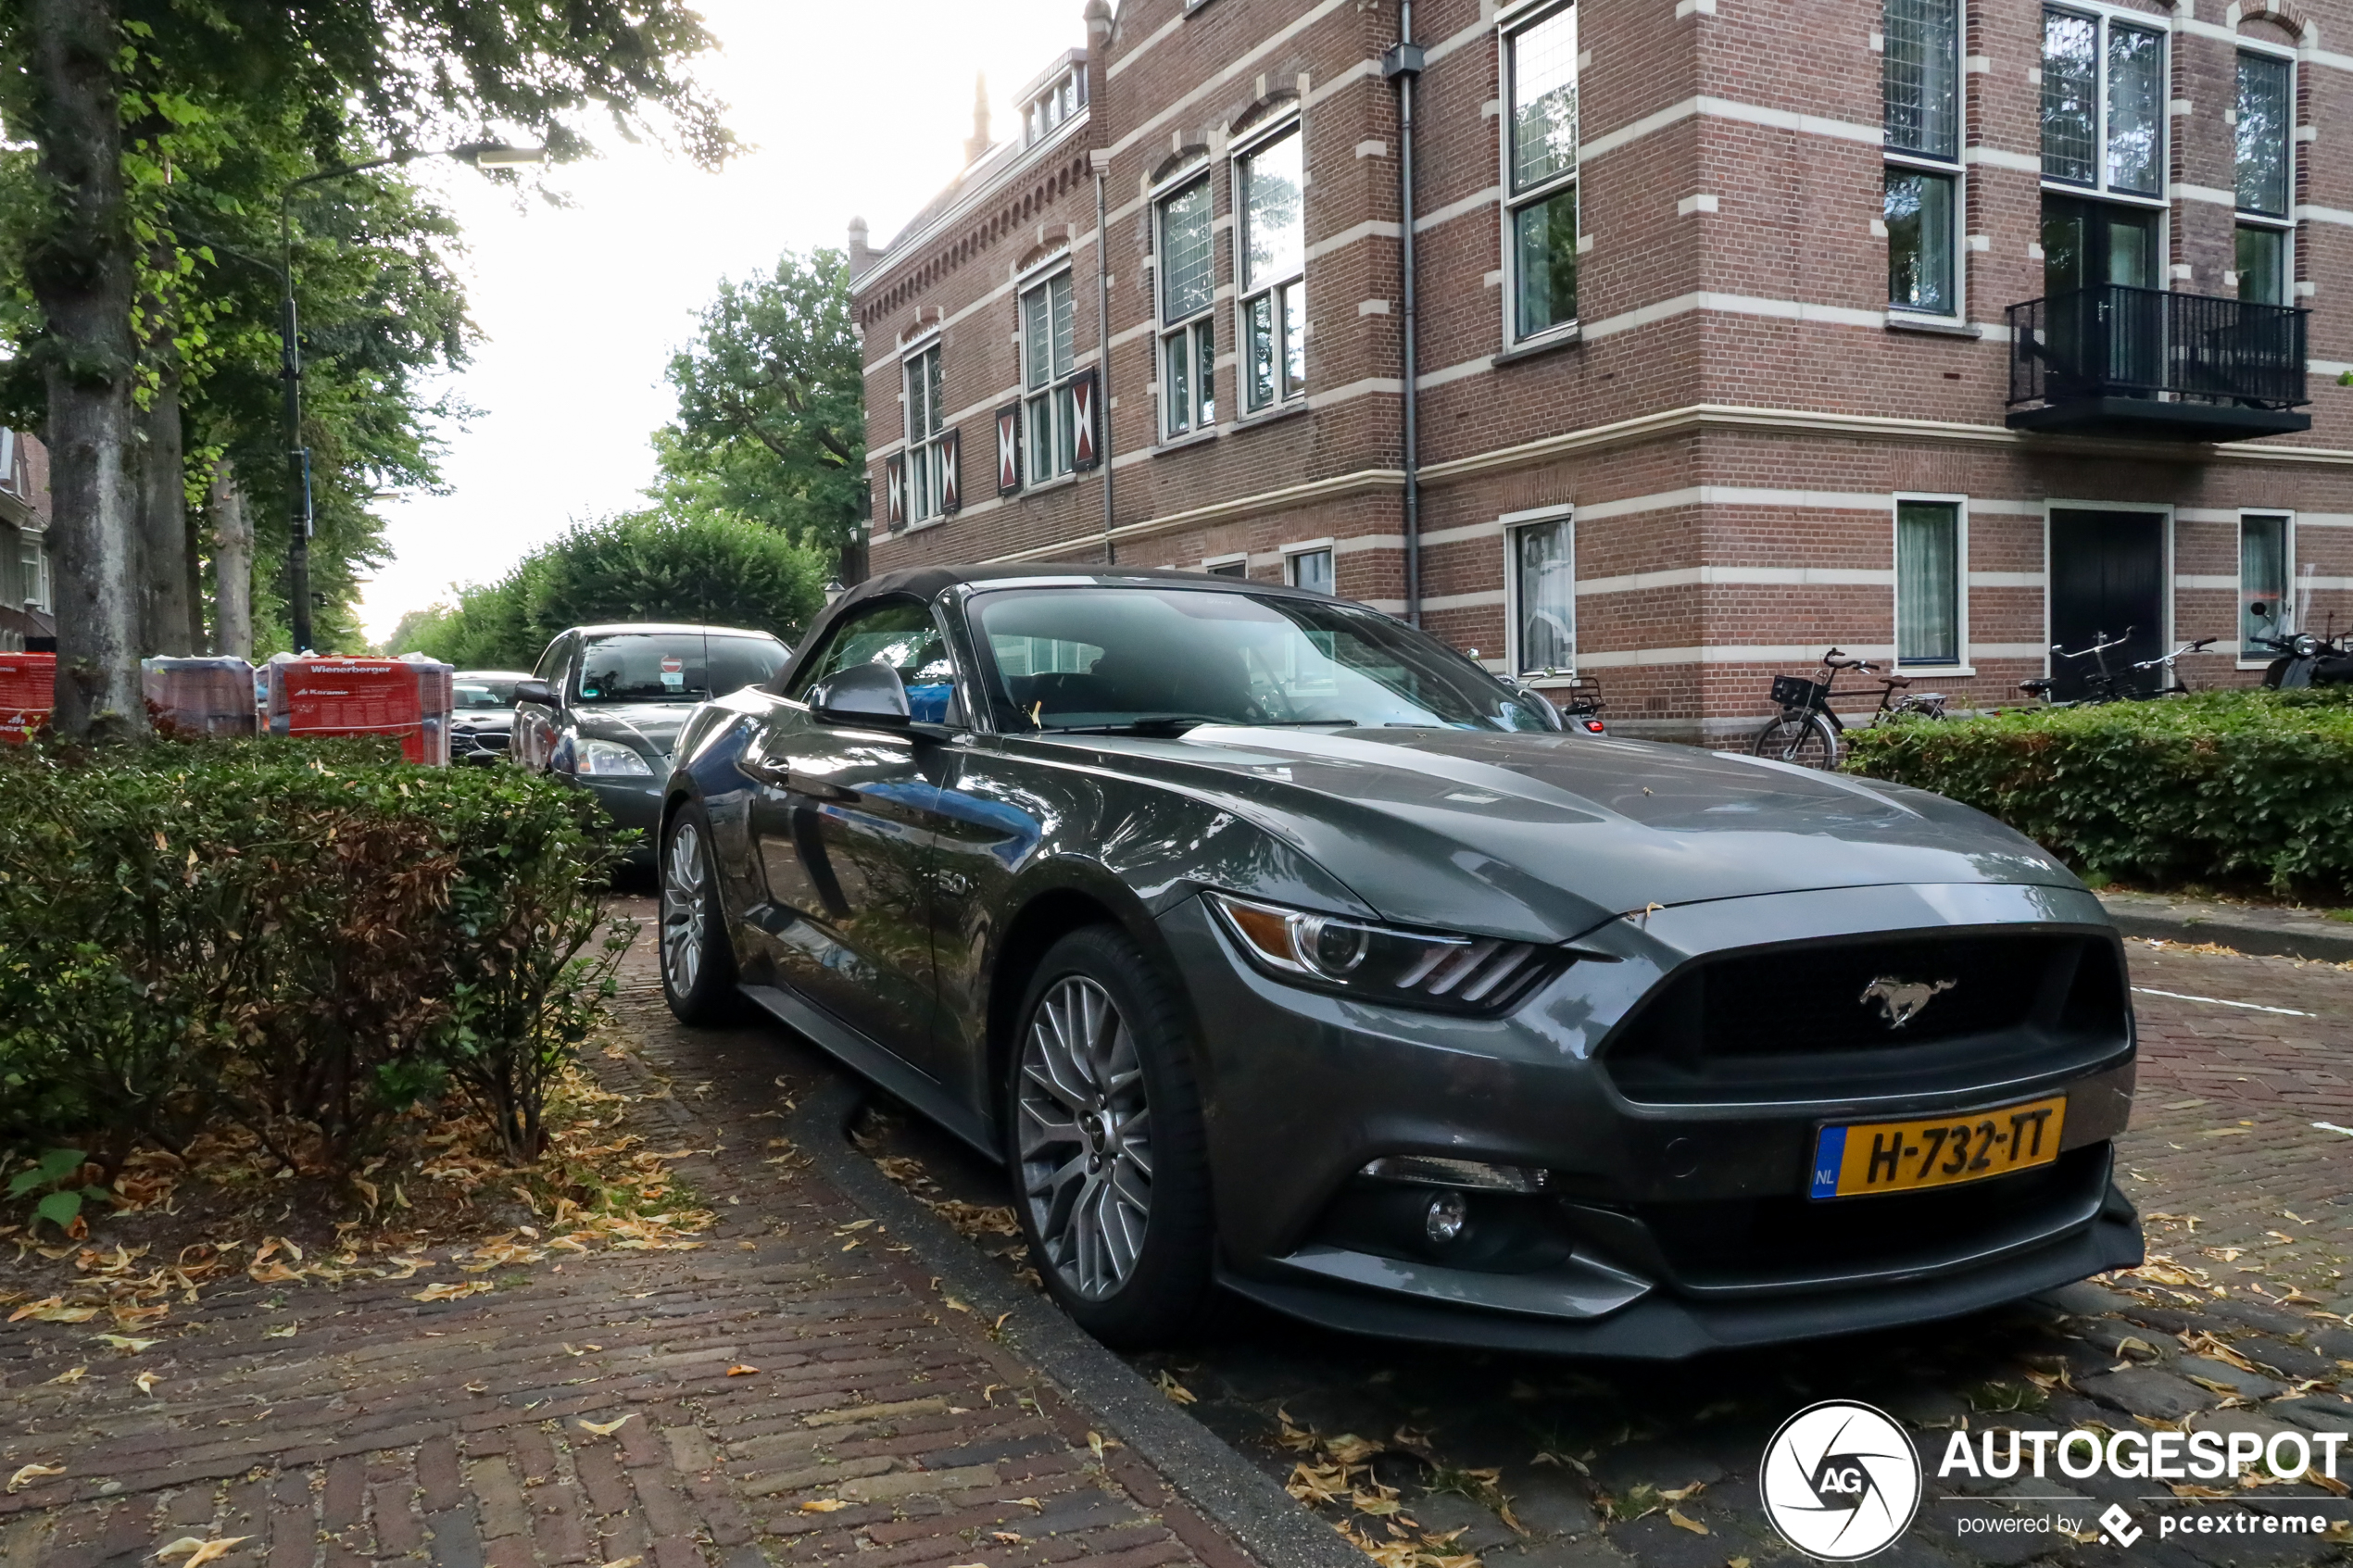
(823, 1505)
(625, 1563)
(198, 1553)
(147, 1382)
(71, 1374)
(1682, 1520)
(33, 1472)
(605, 1428)
(453, 1292)
(2327, 1483)
(740, 1370)
(1178, 1391)
(2191, 1490)
(124, 1342)
(283, 1331)
(1680, 1493)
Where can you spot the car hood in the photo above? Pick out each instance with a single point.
(1545, 836)
(649, 726)
(484, 718)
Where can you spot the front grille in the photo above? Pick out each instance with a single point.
(478, 740)
(1818, 1021)
(1753, 1244)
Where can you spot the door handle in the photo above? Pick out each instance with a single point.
(761, 770)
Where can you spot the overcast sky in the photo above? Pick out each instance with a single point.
(857, 110)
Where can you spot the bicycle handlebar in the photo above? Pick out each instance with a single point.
(2096, 646)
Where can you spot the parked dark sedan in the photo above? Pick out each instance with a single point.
(603, 707)
(484, 721)
(1272, 944)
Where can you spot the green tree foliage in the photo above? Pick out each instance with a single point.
(772, 410)
(126, 103)
(713, 569)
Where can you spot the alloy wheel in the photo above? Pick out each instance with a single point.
(682, 909)
(1085, 1138)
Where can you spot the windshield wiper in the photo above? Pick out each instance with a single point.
(1177, 723)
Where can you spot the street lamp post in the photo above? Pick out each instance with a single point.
(482, 155)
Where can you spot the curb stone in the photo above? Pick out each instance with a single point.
(2244, 929)
(1200, 1464)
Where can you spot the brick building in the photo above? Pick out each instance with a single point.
(1739, 328)
(26, 608)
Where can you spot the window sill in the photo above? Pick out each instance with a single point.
(1918, 673)
(929, 522)
(1933, 326)
(1060, 482)
(1565, 337)
(1195, 438)
(1275, 415)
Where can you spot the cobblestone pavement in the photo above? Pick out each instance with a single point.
(880, 1426)
(2226, 1166)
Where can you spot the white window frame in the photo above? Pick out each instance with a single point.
(1210, 564)
(1953, 170)
(2100, 189)
(1050, 400)
(1275, 290)
(1507, 27)
(1325, 547)
(2244, 218)
(2244, 659)
(1201, 416)
(1513, 663)
(1062, 101)
(1962, 663)
(927, 449)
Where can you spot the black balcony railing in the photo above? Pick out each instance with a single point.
(2115, 342)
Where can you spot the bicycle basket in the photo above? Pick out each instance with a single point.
(1795, 691)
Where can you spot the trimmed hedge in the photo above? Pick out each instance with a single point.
(308, 937)
(2225, 786)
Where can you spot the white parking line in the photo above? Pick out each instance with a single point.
(2221, 1002)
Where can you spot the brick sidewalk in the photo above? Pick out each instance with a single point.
(881, 1425)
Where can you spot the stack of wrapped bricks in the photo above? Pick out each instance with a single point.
(409, 698)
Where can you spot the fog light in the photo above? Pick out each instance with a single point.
(1442, 1222)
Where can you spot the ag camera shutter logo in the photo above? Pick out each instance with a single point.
(1840, 1481)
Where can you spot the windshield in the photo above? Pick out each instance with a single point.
(1109, 659)
(485, 691)
(674, 666)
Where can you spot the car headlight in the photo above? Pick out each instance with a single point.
(607, 759)
(1383, 962)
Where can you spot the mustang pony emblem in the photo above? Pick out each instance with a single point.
(1901, 1000)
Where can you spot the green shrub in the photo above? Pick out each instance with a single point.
(2227, 787)
(307, 937)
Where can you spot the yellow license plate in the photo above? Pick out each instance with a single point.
(1874, 1157)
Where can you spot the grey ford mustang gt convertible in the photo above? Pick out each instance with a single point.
(1272, 944)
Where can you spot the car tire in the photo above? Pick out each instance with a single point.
(696, 960)
(1101, 1112)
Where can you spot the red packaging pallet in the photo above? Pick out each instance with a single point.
(203, 695)
(28, 695)
(407, 697)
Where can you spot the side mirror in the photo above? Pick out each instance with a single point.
(539, 692)
(863, 694)
(2260, 610)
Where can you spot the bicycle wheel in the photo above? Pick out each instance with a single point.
(1805, 739)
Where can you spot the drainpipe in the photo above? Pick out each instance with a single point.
(1100, 158)
(1403, 65)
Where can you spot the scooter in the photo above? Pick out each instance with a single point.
(2302, 659)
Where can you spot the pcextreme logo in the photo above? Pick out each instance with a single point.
(1840, 1481)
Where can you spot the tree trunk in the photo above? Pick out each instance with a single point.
(81, 273)
(170, 611)
(231, 565)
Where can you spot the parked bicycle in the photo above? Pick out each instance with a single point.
(2101, 685)
(1809, 733)
(2170, 680)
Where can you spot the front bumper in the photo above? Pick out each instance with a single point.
(1676, 1220)
(632, 803)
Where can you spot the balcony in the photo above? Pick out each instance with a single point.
(2152, 363)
